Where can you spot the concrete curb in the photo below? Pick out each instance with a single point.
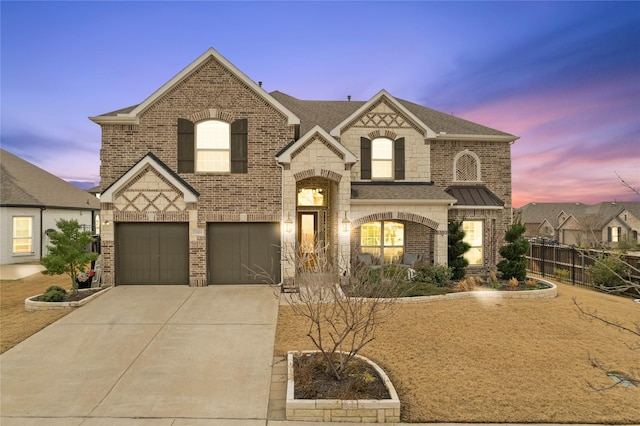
(34, 305)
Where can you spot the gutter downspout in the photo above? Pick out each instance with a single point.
(42, 234)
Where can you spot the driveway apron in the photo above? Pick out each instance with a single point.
(147, 352)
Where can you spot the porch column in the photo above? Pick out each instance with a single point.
(440, 255)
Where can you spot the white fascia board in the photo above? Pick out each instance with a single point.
(115, 119)
(107, 196)
(337, 131)
(442, 136)
(285, 157)
(211, 52)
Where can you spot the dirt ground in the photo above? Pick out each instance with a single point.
(16, 324)
(501, 360)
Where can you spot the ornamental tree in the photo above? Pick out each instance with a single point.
(457, 248)
(514, 262)
(68, 251)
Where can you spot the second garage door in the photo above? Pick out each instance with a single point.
(152, 253)
(234, 250)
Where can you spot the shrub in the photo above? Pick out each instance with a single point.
(466, 284)
(433, 274)
(456, 250)
(531, 283)
(54, 294)
(514, 264)
(513, 283)
(608, 271)
(561, 274)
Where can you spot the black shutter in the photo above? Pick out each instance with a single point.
(186, 145)
(398, 159)
(365, 158)
(608, 233)
(239, 131)
(619, 233)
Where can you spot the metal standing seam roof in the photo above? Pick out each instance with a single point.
(24, 184)
(473, 196)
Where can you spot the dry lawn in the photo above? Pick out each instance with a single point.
(16, 324)
(507, 361)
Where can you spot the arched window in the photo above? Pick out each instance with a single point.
(213, 146)
(466, 167)
(382, 158)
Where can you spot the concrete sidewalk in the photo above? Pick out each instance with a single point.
(165, 355)
(19, 270)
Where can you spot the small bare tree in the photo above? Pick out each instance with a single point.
(341, 323)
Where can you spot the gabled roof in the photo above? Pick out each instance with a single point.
(130, 115)
(330, 114)
(24, 184)
(603, 212)
(190, 195)
(284, 156)
(474, 196)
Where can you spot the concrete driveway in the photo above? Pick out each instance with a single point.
(152, 355)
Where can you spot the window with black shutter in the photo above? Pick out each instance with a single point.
(365, 158)
(398, 159)
(239, 157)
(186, 146)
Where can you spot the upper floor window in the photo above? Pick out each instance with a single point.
(22, 234)
(213, 146)
(311, 197)
(466, 167)
(382, 159)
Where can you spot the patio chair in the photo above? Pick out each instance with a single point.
(366, 259)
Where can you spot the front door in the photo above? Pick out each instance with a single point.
(308, 238)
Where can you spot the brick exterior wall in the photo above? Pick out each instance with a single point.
(209, 89)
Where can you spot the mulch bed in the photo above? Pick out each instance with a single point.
(361, 381)
(71, 297)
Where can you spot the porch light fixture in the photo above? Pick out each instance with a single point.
(346, 223)
(288, 224)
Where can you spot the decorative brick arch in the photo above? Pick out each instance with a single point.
(383, 134)
(212, 114)
(411, 217)
(328, 174)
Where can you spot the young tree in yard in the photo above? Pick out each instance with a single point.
(514, 264)
(457, 249)
(68, 251)
(340, 322)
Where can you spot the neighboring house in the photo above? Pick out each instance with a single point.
(211, 176)
(31, 201)
(603, 224)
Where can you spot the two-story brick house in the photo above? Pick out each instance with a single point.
(211, 177)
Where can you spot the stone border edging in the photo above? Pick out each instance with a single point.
(337, 410)
(547, 293)
(34, 305)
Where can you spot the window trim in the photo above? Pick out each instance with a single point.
(14, 237)
(226, 150)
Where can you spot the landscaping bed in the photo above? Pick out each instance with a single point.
(500, 360)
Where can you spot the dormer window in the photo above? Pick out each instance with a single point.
(213, 140)
(382, 159)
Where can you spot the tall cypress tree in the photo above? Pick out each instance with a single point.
(457, 249)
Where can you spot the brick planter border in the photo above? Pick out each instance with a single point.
(337, 410)
(33, 305)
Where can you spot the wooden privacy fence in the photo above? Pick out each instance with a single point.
(547, 260)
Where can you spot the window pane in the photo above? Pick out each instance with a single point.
(22, 234)
(393, 234)
(213, 161)
(473, 233)
(212, 134)
(474, 256)
(375, 252)
(311, 197)
(370, 234)
(381, 149)
(381, 169)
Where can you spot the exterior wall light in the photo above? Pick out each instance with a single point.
(288, 224)
(346, 223)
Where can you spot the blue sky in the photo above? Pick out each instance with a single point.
(564, 76)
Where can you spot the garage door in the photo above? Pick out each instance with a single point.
(152, 253)
(234, 249)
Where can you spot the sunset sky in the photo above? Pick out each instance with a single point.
(563, 76)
